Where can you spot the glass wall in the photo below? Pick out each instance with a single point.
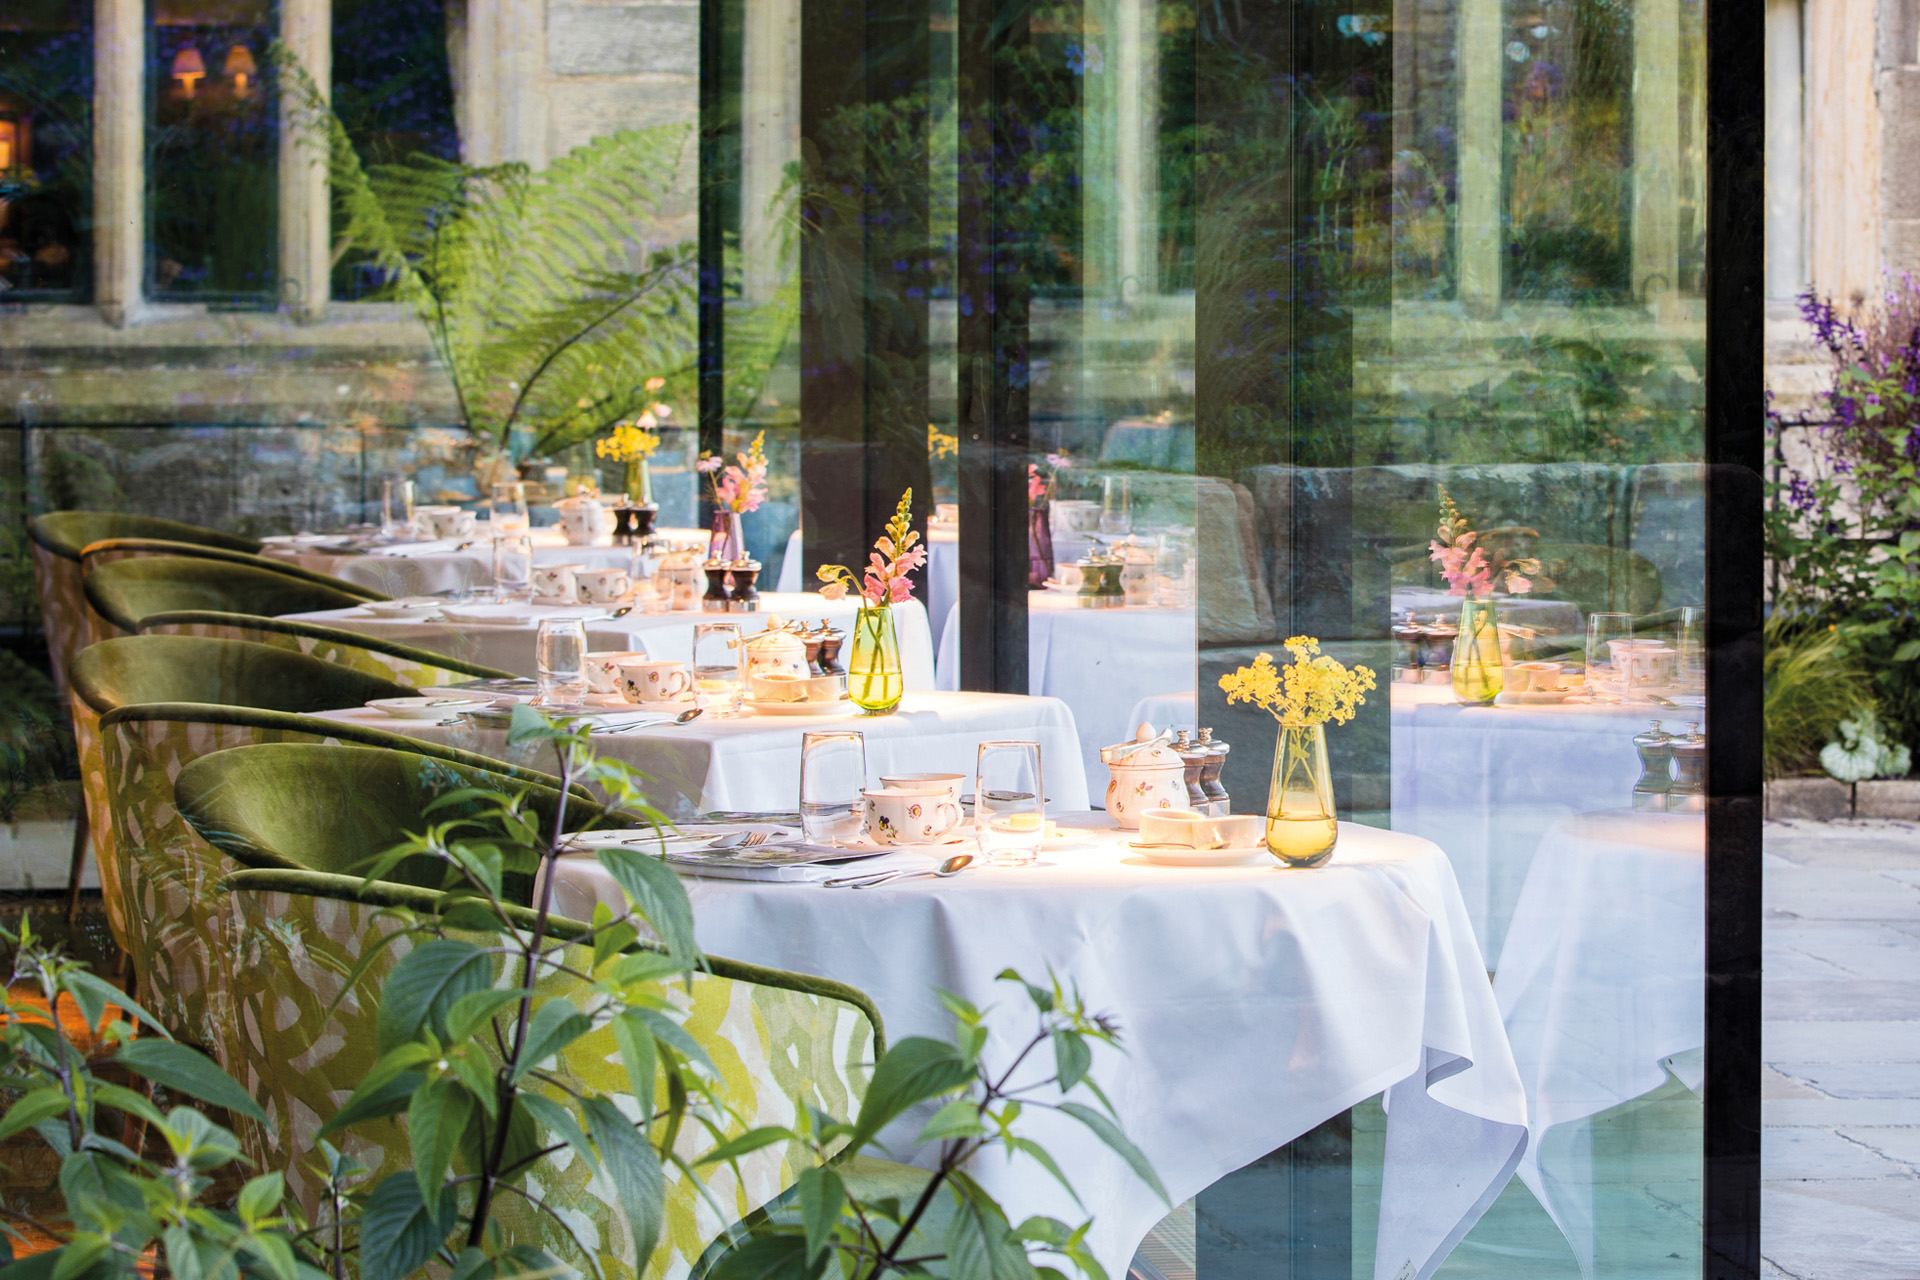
(1193, 328)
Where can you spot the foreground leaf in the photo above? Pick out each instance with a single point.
(398, 1232)
(633, 1167)
(190, 1071)
(910, 1072)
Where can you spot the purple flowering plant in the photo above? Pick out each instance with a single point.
(1843, 522)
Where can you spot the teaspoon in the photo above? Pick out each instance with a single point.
(952, 866)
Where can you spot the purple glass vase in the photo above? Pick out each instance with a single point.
(1039, 546)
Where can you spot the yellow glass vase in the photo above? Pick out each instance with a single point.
(1301, 827)
(874, 679)
(1478, 675)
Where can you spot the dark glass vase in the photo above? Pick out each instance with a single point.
(1039, 546)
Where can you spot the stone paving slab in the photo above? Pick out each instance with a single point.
(1841, 1040)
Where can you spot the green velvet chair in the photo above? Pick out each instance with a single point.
(55, 541)
(304, 1036)
(126, 592)
(333, 809)
(160, 880)
(130, 670)
(420, 668)
(109, 550)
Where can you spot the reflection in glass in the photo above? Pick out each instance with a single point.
(212, 153)
(46, 92)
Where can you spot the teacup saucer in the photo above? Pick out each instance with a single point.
(1168, 856)
(838, 707)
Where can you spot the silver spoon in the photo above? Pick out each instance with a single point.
(952, 866)
(685, 716)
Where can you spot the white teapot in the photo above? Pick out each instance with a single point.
(677, 580)
(1146, 775)
(776, 652)
(583, 518)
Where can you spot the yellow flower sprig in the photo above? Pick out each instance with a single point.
(1311, 689)
(629, 442)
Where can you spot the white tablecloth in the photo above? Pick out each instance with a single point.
(432, 568)
(667, 636)
(1100, 662)
(752, 762)
(1488, 782)
(1602, 984)
(942, 571)
(1254, 1003)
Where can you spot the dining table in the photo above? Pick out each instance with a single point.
(1489, 782)
(1100, 662)
(751, 761)
(437, 566)
(1602, 988)
(1253, 1003)
(506, 640)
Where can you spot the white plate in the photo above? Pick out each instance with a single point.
(427, 708)
(1532, 697)
(401, 608)
(486, 615)
(1200, 857)
(837, 708)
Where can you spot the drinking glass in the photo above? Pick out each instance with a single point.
(1116, 504)
(396, 508)
(716, 667)
(1009, 803)
(513, 566)
(560, 660)
(1607, 680)
(833, 772)
(509, 512)
(1693, 648)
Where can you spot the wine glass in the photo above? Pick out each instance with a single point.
(1009, 803)
(513, 566)
(833, 773)
(716, 667)
(560, 660)
(1608, 676)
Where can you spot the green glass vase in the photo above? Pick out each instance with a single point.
(1301, 826)
(1478, 675)
(874, 679)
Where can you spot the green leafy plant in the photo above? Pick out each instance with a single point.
(547, 308)
(828, 1225)
(1862, 751)
(1813, 682)
(138, 1181)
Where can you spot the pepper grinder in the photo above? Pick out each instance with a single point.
(716, 600)
(1218, 800)
(813, 640)
(1194, 761)
(744, 599)
(1688, 794)
(1656, 762)
(831, 638)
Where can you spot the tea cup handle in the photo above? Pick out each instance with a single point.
(947, 807)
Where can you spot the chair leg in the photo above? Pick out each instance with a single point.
(79, 863)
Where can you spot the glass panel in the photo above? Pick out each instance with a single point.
(212, 151)
(393, 92)
(46, 157)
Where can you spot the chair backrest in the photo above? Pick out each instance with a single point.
(229, 673)
(66, 533)
(129, 670)
(160, 881)
(125, 592)
(109, 550)
(420, 668)
(334, 809)
(780, 1041)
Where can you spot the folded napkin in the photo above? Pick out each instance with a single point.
(437, 547)
(785, 858)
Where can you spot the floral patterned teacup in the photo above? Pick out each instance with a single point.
(651, 682)
(920, 816)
